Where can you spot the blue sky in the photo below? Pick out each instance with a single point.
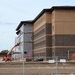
(14, 11)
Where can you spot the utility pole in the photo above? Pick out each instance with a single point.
(68, 55)
(56, 65)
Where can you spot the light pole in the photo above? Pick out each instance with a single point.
(56, 61)
(68, 54)
(23, 67)
(56, 65)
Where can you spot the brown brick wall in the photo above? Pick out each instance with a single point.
(63, 52)
(43, 38)
(48, 52)
(49, 41)
(48, 28)
(65, 40)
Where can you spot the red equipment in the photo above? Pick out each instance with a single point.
(7, 57)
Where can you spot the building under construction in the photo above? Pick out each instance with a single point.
(51, 33)
(24, 38)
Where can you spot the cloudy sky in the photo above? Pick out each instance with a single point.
(14, 11)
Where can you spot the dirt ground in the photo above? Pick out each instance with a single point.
(37, 68)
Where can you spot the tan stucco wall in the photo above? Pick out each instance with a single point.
(48, 17)
(64, 21)
(53, 22)
(45, 18)
(65, 28)
(40, 22)
(64, 15)
(40, 50)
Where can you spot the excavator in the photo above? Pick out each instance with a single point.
(8, 57)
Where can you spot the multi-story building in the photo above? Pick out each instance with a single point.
(24, 32)
(53, 32)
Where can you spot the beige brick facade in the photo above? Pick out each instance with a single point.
(54, 32)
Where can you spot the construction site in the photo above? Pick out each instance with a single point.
(43, 46)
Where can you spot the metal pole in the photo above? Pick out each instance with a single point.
(23, 67)
(68, 55)
(56, 65)
(23, 61)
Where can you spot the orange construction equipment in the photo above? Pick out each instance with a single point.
(7, 57)
(72, 56)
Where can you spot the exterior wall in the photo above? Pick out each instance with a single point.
(52, 34)
(42, 32)
(25, 40)
(20, 39)
(63, 22)
(28, 40)
(48, 17)
(40, 22)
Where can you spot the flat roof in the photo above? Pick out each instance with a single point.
(53, 8)
(45, 10)
(22, 22)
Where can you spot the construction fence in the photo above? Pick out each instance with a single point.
(52, 66)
